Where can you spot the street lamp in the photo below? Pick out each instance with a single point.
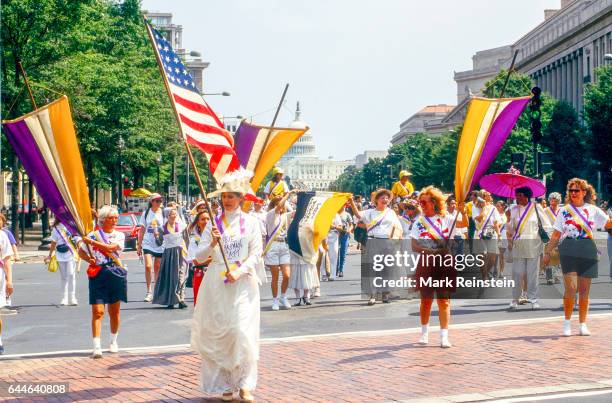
(159, 160)
(120, 187)
(223, 94)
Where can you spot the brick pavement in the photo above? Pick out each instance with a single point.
(351, 368)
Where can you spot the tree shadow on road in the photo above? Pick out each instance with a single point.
(147, 362)
(529, 339)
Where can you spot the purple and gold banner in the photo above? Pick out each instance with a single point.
(487, 125)
(259, 147)
(45, 143)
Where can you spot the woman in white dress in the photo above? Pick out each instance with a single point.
(225, 327)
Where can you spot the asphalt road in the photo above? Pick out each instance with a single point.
(38, 324)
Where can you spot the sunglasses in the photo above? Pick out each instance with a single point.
(574, 190)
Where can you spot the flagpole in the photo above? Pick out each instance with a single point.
(27, 83)
(280, 104)
(189, 154)
(501, 95)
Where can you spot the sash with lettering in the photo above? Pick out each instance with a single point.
(275, 232)
(376, 221)
(581, 220)
(432, 231)
(228, 235)
(522, 220)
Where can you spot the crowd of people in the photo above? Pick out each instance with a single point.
(180, 250)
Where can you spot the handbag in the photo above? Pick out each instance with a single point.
(53, 264)
(541, 231)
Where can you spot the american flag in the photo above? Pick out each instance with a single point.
(200, 126)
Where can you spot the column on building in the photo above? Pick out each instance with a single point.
(574, 82)
(564, 77)
(580, 79)
(553, 80)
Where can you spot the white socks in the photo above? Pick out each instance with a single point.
(567, 327)
(96, 343)
(424, 334)
(113, 338)
(444, 343)
(444, 333)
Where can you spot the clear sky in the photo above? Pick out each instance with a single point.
(359, 68)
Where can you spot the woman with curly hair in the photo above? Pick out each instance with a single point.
(576, 223)
(430, 234)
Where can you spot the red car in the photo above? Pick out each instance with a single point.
(128, 224)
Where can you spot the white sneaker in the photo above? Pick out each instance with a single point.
(584, 330)
(113, 348)
(317, 292)
(275, 304)
(148, 297)
(285, 303)
(535, 306)
(513, 305)
(97, 353)
(444, 343)
(424, 340)
(73, 302)
(567, 328)
(64, 301)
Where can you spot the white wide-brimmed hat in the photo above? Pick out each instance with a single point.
(234, 182)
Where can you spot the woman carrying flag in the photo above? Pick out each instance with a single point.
(107, 276)
(170, 284)
(225, 327)
(575, 225)
(430, 234)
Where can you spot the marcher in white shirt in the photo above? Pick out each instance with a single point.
(526, 245)
(65, 246)
(574, 227)
(382, 224)
(486, 236)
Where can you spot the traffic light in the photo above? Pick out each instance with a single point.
(544, 162)
(535, 115)
(518, 161)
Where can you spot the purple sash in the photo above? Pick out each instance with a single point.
(435, 228)
(379, 221)
(219, 221)
(586, 221)
(520, 221)
(486, 222)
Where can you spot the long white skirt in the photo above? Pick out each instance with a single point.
(225, 331)
(303, 275)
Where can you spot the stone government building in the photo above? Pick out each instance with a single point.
(560, 55)
(302, 165)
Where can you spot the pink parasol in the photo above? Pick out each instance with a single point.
(504, 184)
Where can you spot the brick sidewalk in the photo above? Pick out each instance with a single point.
(351, 368)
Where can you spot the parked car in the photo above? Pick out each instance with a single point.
(128, 224)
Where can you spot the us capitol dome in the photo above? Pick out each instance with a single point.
(303, 167)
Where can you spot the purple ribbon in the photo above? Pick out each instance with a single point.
(486, 222)
(586, 221)
(518, 225)
(435, 228)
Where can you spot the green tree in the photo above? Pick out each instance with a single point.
(565, 136)
(598, 116)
